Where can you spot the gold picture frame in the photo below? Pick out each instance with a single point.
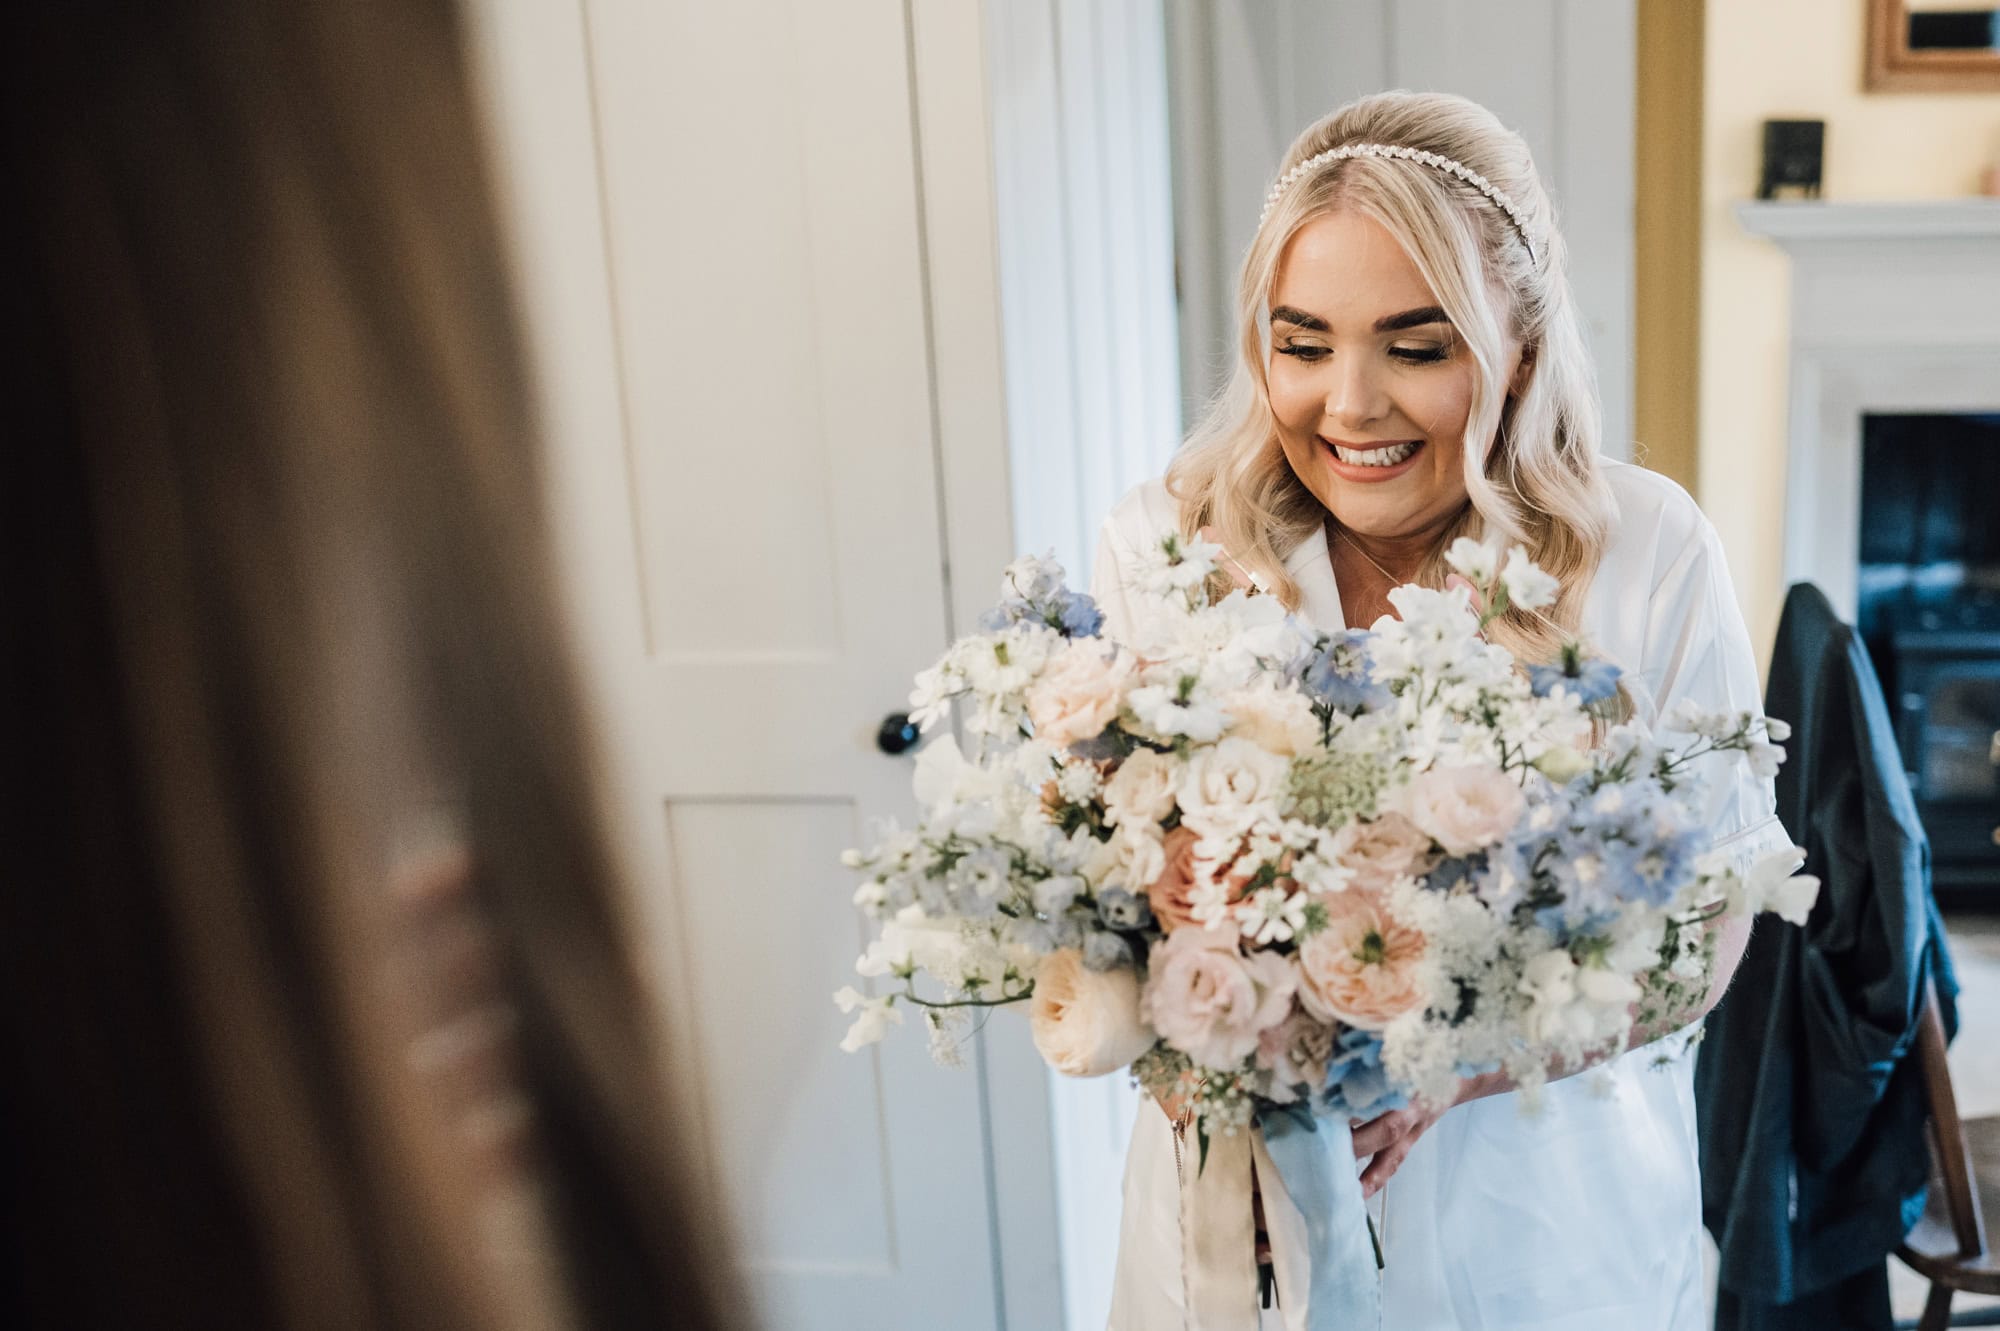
(1894, 67)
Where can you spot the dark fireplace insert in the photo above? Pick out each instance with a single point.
(1929, 611)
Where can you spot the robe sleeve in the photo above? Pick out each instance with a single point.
(1696, 647)
(1110, 580)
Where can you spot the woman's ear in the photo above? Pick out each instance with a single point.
(1524, 373)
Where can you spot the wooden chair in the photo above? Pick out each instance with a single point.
(1948, 1245)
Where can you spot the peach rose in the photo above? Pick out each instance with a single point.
(1382, 850)
(1168, 894)
(1086, 1023)
(1464, 809)
(1362, 968)
(1079, 692)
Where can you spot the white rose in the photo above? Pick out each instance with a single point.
(1464, 809)
(1142, 789)
(1086, 1023)
(1230, 784)
(1135, 855)
(1274, 719)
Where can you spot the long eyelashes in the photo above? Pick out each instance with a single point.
(1312, 355)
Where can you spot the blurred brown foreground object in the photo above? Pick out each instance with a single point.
(1948, 1247)
(317, 997)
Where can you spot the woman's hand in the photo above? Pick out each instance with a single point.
(1389, 1138)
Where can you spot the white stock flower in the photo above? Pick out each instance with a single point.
(1032, 578)
(1764, 758)
(1606, 987)
(1086, 1023)
(1527, 586)
(1476, 560)
(1774, 884)
(1166, 710)
(876, 1016)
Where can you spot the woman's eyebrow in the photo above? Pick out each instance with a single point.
(1286, 314)
(1417, 318)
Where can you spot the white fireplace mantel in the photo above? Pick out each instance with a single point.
(1895, 308)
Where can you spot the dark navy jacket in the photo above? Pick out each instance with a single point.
(1810, 1100)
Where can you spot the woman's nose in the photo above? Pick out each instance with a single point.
(1354, 398)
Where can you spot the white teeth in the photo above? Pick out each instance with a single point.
(1376, 457)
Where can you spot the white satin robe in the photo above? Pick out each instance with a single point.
(1586, 1217)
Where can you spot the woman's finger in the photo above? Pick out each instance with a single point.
(1383, 1167)
(1371, 1137)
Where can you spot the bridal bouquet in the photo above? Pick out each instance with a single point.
(1276, 871)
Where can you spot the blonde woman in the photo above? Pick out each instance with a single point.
(1410, 369)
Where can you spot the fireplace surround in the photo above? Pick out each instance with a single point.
(1895, 340)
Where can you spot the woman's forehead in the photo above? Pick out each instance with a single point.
(1347, 267)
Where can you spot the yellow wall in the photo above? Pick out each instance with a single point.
(1778, 59)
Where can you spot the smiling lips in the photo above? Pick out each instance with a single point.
(1371, 462)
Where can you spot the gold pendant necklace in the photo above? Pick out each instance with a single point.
(1355, 546)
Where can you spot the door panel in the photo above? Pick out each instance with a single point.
(717, 213)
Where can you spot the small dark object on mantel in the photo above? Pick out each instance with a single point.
(1792, 155)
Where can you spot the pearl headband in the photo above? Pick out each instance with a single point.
(1431, 159)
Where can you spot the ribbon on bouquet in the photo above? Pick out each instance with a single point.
(1313, 1211)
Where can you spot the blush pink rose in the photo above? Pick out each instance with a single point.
(1211, 1002)
(1381, 850)
(1362, 968)
(1079, 692)
(1464, 809)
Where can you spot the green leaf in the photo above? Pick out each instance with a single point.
(1201, 1135)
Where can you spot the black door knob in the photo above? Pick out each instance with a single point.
(898, 733)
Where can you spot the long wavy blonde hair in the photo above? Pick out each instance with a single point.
(1531, 467)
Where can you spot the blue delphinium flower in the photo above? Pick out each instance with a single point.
(1618, 844)
(1356, 1085)
(1078, 615)
(1339, 673)
(1006, 614)
(1120, 909)
(1072, 614)
(1589, 678)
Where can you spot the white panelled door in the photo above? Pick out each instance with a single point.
(719, 230)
